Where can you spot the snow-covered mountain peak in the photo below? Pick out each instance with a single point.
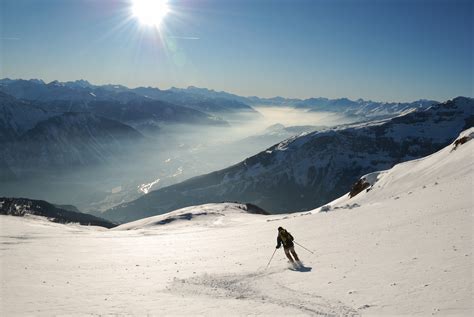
(80, 83)
(56, 83)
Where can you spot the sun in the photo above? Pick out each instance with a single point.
(150, 12)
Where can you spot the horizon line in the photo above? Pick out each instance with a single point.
(232, 93)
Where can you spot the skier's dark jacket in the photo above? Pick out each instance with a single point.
(285, 238)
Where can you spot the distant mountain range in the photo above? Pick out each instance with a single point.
(65, 125)
(81, 93)
(304, 172)
(24, 104)
(70, 140)
(216, 103)
(18, 116)
(33, 138)
(146, 115)
(273, 134)
(361, 108)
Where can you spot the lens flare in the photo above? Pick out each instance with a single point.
(150, 12)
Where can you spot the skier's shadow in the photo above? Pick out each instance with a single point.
(303, 269)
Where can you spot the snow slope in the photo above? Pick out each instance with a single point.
(402, 248)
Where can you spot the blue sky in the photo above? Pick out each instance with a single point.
(389, 50)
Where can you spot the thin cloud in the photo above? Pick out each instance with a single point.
(185, 37)
(9, 38)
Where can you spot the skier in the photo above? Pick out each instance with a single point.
(285, 238)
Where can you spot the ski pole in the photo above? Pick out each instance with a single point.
(271, 259)
(303, 247)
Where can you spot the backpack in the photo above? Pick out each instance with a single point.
(285, 237)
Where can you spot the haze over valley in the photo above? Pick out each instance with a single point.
(64, 165)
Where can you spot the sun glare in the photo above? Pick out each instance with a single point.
(150, 12)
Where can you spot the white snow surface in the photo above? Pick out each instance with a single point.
(402, 248)
(208, 215)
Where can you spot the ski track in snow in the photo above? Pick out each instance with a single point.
(248, 287)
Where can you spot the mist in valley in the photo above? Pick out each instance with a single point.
(167, 154)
